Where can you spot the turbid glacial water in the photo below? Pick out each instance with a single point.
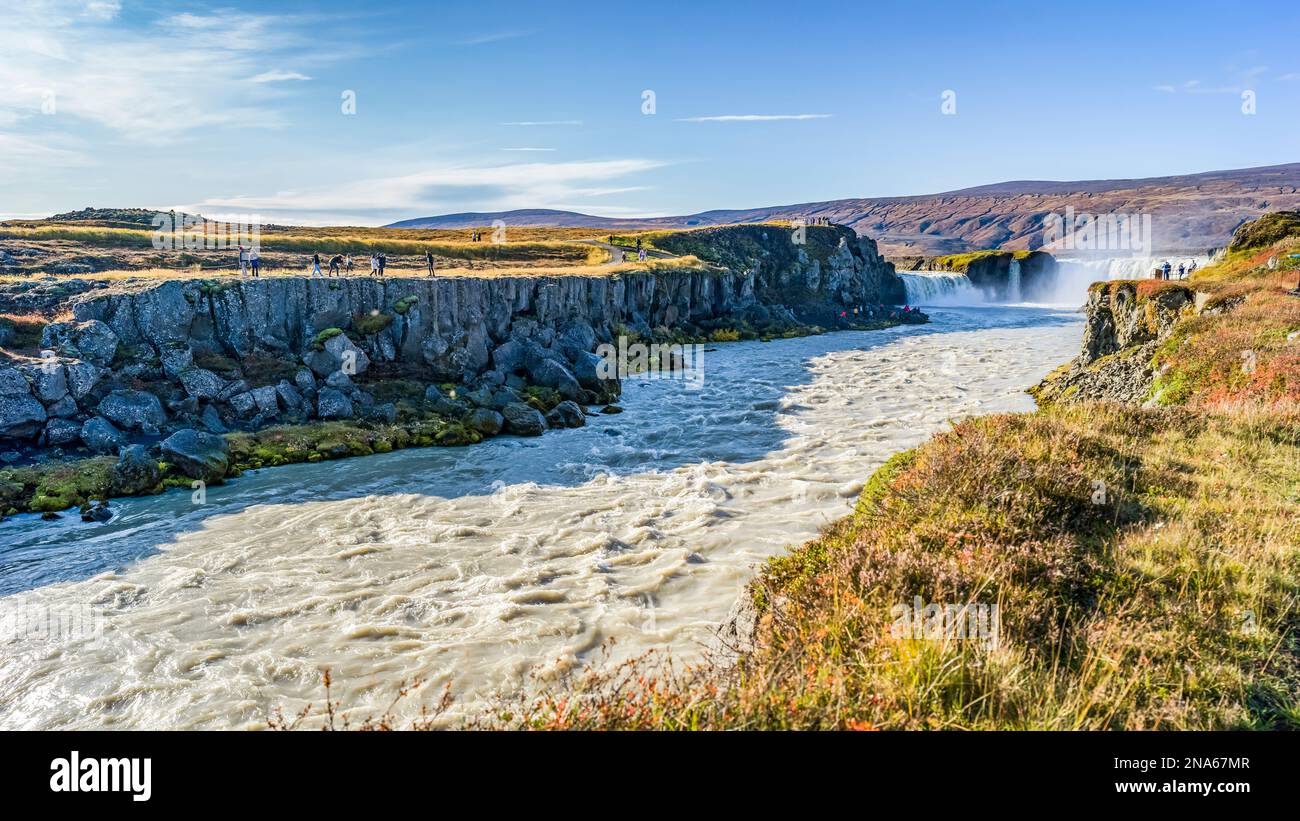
(483, 566)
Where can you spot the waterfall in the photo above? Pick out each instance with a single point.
(1013, 281)
(925, 288)
(1074, 275)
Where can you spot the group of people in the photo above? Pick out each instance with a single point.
(250, 263)
(1166, 271)
(341, 264)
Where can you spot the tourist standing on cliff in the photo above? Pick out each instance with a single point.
(315, 265)
(383, 262)
(243, 261)
(347, 265)
(374, 264)
(428, 261)
(1182, 271)
(254, 259)
(335, 262)
(1166, 268)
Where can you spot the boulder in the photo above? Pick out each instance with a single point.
(49, 382)
(304, 381)
(65, 408)
(577, 338)
(442, 404)
(485, 421)
(503, 397)
(101, 436)
(333, 404)
(211, 420)
(289, 396)
(339, 381)
(267, 400)
(523, 420)
(201, 383)
(82, 378)
(566, 415)
(21, 414)
(509, 356)
(232, 389)
(551, 373)
(61, 432)
(338, 353)
(92, 340)
(244, 404)
(135, 472)
(387, 413)
(588, 370)
(133, 410)
(176, 358)
(198, 455)
(480, 397)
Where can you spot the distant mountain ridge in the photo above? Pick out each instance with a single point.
(1194, 212)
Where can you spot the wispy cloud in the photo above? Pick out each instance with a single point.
(528, 149)
(1240, 79)
(277, 76)
(751, 118)
(545, 122)
(492, 37)
(149, 81)
(1196, 87)
(441, 190)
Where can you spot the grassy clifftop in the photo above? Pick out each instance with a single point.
(1142, 558)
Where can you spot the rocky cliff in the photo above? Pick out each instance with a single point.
(139, 362)
(1126, 321)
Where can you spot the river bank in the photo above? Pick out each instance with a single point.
(484, 567)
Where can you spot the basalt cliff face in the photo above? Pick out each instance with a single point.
(137, 363)
(1126, 322)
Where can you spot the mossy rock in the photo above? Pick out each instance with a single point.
(371, 324)
(325, 336)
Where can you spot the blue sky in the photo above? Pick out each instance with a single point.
(236, 108)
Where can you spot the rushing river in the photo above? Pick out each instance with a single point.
(483, 566)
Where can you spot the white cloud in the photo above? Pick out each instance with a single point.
(528, 149)
(277, 76)
(494, 37)
(751, 118)
(439, 190)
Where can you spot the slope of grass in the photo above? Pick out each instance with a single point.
(1143, 562)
